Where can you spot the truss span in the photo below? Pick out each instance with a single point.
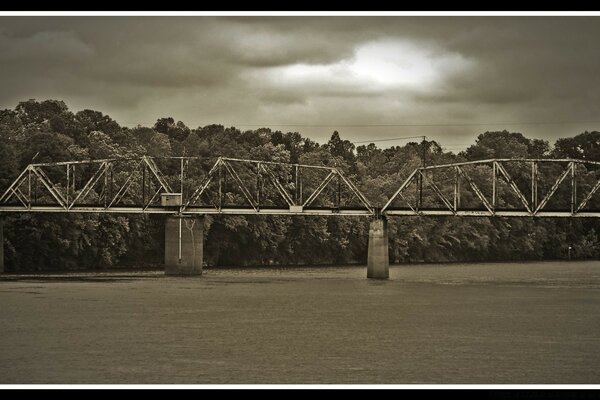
(223, 185)
(500, 188)
(184, 185)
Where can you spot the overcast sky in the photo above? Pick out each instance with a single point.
(459, 75)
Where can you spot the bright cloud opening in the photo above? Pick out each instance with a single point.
(378, 65)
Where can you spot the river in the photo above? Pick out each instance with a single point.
(492, 323)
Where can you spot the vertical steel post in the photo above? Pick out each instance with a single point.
(258, 184)
(181, 179)
(112, 181)
(423, 154)
(144, 185)
(220, 184)
(455, 202)
(35, 189)
(296, 186)
(183, 164)
(105, 190)
(339, 191)
(457, 177)
(224, 183)
(534, 184)
(179, 254)
(68, 183)
(29, 184)
(573, 187)
(301, 196)
(494, 180)
(418, 188)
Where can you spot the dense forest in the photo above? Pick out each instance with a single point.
(49, 131)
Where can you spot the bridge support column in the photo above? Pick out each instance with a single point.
(184, 245)
(378, 261)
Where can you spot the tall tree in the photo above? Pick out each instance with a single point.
(175, 131)
(584, 146)
(504, 144)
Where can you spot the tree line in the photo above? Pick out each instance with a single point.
(47, 131)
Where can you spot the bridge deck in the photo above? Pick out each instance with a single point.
(486, 213)
(190, 210)
(314, 211)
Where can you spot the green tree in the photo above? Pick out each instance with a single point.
(504, 144)
(584, 146)
(175, 131)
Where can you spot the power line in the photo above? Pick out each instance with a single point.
(395, 125)
(423, 125)
(385, 140)
(457, 145)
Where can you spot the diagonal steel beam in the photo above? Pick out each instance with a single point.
(478, 192)
(513, 185)
(239, 182)
(15, 190)
(437, 191)
(554, 187)
(157, 173)
(50, 186)
(20, 196)
(400, 189)
(3, 198)
(26, 199)
(153, 197)
(90, 183)
(319, 189)
(286, 196)
(355, 191)
(198, 192)
(122, 190)
(588, 197)
(408, 203)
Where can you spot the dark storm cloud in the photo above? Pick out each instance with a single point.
(313, 70)
(545, 57)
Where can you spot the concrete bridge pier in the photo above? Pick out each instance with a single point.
(378, 261)
(184, 245)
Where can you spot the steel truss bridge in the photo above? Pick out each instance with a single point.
(184, 185)
(197, 185)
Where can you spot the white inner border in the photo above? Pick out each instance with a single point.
(301, 14)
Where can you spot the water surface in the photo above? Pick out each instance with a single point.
(450, 323)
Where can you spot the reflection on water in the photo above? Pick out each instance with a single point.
(541, 273)
(548, 273)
